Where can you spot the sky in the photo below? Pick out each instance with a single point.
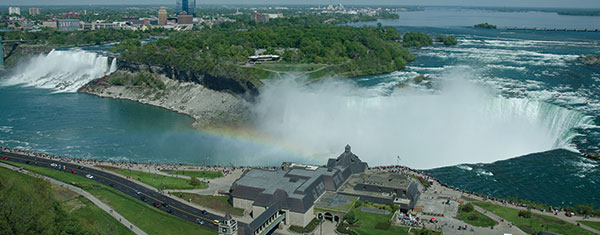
(501, 3)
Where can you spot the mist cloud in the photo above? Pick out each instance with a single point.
(462, 123)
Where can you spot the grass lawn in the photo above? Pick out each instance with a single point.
(146, 217)
(92, 219)
(367, 222)
(197, 174)
(535, 223)
(475, 218)
(217, 203)
(155, 180)
(592, 224)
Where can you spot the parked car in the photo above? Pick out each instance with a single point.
(74, 171)
(166, 205)
(199, 221)
(4, 158)
(137, 192)
(53, 165)
(89, 176)
(170, 211)
(143, 198)
(204, 212)
(216, 221)
(156, 204)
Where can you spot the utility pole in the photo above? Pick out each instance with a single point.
(321, 227)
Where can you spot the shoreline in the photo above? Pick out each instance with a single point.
(207, 107)
(424, 177)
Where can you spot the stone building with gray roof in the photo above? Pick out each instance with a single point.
(294, 187)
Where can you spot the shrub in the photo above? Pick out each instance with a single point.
(423, 231)
(351, 218)
(195, 181)
(467, 207)
(382, 226)
(412, 39)
(525, 214)
(358, 204)
(343, 230)
(309, 227)
(447, 40)
(474, 216)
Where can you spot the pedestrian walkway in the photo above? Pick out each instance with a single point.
(87, 195)
(505, 225)
(561, 216)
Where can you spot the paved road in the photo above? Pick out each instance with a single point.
(128, 187)
(87, 195)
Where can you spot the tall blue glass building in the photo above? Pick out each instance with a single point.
(186, 5)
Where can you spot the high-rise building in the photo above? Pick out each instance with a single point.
(162, 16)
(185, 19)
(14, 11)
(259, 18)
(186, 6)
(34, 11)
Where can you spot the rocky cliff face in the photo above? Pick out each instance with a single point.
(15, 52)
(210, 108)
(239, 87)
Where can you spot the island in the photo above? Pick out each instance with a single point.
(485, 26)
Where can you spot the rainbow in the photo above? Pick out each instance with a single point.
(251, 136)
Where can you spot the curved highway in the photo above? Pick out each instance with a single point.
(128, 187)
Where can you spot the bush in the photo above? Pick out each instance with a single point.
(447, 40)
(382, 226)
(424, 231)
(467, 207)
(118, 80)
(525, 214)
(195, 181)
(309, 227)
(358, 204)
(474, 216)
(418, 40)
(350, 218)
(343, 230)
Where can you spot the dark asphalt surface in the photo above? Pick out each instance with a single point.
(128, 187)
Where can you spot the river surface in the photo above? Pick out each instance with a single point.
(519, 92)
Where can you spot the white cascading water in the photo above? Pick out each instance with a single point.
(62, 71)
(463, 123)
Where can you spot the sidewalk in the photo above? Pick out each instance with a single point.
(87, 195)
(561, 216)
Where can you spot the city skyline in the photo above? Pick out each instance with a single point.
(483, 3)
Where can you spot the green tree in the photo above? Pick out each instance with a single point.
(468, 207)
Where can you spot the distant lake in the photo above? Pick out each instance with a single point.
(453, 17)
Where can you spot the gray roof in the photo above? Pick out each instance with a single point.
(348, 160)
(298, 187)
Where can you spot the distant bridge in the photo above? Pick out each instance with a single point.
(15, 44)
(550, 29)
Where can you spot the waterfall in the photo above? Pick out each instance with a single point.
(460, 124)
(62, 71)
